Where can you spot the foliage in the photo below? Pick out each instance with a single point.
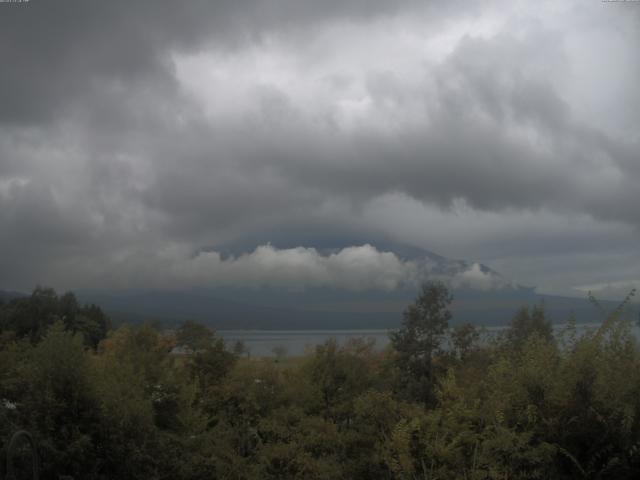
(135, 407)
(194, 336)
(464, 340)
(30, 317)
(526, 323)
(418, 341)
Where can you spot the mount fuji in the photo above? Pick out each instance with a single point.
(482, 296)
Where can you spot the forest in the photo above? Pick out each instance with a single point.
(441, 402)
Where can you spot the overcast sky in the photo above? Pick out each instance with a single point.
(140, 138)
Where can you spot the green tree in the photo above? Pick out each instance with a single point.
(528, 322)
(418, 340)
(194, 336)
(92, 323)
(209, 365)
(61, 405)
(464, 339)
(338, 374)
(30, 317)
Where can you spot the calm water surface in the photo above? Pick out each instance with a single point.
(261, 343)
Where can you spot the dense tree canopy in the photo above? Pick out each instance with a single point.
(528, 322)
(523, 405)
(30, 317)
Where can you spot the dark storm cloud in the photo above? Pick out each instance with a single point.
(56, 53)
(499, 138)
(137, 134)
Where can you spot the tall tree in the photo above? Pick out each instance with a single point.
(418, 340)
(464, 339)
(31, 317)
(194, 336)
(526, 323)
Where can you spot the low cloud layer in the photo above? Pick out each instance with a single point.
(613, 290)
(134, 134)
(355, 268)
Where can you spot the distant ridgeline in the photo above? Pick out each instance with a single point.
(5, 296)
(273, 309)
(481, 296)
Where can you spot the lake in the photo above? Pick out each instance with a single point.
(261, 343)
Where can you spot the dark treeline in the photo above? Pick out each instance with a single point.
(126, 404)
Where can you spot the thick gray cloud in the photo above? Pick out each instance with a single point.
(134, 131)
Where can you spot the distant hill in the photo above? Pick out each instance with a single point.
(6, 295)
(486, 308)
(481, 296)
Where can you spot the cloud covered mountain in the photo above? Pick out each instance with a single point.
(134, 133)
(302, 287)
(352, 268)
